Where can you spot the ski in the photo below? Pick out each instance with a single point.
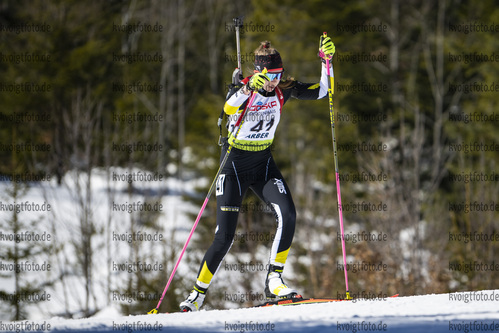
(298, 299)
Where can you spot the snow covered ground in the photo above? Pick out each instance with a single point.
(457, 312)
(110, 242)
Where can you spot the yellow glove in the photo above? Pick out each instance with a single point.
(326, 47)
(257, 81)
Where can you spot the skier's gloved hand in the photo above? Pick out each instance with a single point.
(326, 48)
(258, 80)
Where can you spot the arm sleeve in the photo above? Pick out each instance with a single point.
(310, 91)
(235, 101)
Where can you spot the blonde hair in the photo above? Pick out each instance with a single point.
(265, 49)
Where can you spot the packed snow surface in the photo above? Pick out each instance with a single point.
(456, 312)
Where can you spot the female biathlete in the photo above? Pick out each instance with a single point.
(251, 165)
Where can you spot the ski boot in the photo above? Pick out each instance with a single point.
(194, 301)
(275, 288)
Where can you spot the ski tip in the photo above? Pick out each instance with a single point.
(153, 311)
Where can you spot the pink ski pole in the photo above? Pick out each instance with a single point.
(338, 191)
(210, 191)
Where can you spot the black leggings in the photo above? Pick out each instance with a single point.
(258, 171)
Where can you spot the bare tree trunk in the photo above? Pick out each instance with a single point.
(184, 28)
(216, 10)
(81, 125)
(185, 19)
(168, 18)
(436, 75)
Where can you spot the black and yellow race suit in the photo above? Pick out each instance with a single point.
(251, 165)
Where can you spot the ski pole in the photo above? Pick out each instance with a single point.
(239, 123)
(338, 191)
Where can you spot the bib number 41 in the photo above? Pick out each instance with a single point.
(259, 126)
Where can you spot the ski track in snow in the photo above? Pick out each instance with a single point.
(427, 313)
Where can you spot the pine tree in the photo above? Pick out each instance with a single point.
(23, 257)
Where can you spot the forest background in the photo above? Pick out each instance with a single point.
(139, 85)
